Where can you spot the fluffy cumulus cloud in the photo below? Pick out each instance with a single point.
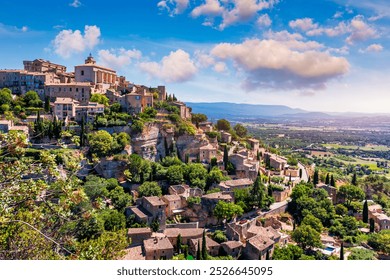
(356, 29)
(270, 63)
(118, 58)
(303, 24)
(173, 7)
(225, 12)
(360, 31)
(264, 21)
(69, 42)
(373, 48)
(175, 67)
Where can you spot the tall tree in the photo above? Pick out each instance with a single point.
(365, 212)
(225, 157)
(327, 179)
(342, 251)
(267, 257)
(300, 173)
(47, 104)
(223, 124)
(82, 132)
(372, 225)
(178, 244)
(354, 179)
(256, 192)
(204, 246)
(198, 254)
(315, 177)
(332, 181)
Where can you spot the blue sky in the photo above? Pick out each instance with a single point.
(324, 55)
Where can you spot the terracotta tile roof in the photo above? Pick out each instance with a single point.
(217, 195)
(260, 242)
(238, 182)
(232, 244)
(131, 231)
(157, 243)
(184, 232)
(269, 232)
(172, 197)
(154, 200)
(209, 242)
(138, 212)
(133, 253)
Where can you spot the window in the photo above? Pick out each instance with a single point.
(77, 89)
(82, 72)
(82, 90)
(70, 89)
(137, 97)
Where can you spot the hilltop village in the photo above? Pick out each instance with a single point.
(109, 169)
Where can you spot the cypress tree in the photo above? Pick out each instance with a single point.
(267, 257)
(332, 182)
(225, 157)
(82, 133)
(185, 251)
(354, 179)
(300, 173)
(166, 148)
(315, 177)
(256, 192)
(186, 158)
(289, 179)
(327, 179)
(365, 212)
(269, 190)
(204, 246)
(342, 251)
(198, 254)
(178, 244)
(372, 225)
(47, 104)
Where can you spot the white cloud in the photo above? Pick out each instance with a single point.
(203, 60)
(338, 15)
(24, 29)
(12, 30)
(294, 41)
(68, 42)
(175, 67)
(357, 29)
(303, 24)
(174, 7)
(243, 10)
(75, 4)
(209, 8)
(372, 48)
(276, 64)
(228, 12)
(360, 31)
(264, 21)
(220, 67)
(118, 58)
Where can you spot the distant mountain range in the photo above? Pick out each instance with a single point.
(236, 111)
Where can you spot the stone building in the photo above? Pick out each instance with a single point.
(158, 248)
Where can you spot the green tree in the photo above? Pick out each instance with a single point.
(198, 118)
(100, 98)
(175, 174)
(5, 96)
(119, 199)
(342, 251)
(198, 253)
(380, 241)
(112, 219)
(365, 212)
(354, 179)
(219, 236)
(350, 193)
(361, 254)
(289, 252)
(327, 180)
(215, 176)
(315, 177)
(227, 210)
(100, 143)
(240, 130)
(223, 124)
(332, 181)
(313, 221)
(196, 174)
(149, 189)
(372, 225)
(179, 244)
(225, 157)
(31, 99)
(204, 246)
(307, 237)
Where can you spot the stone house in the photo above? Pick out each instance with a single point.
(186, 234)
(332, 191)
(185, 191)
(232, 248)
(257, 247)
(211, 245)
(174, 204)
(149, 209)
(226, 137)
(375, 212)
(157, 248)
(254, 143)
(206, 126)
(209, 201)
(231, 185)
(206, 153)
(138, 235)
